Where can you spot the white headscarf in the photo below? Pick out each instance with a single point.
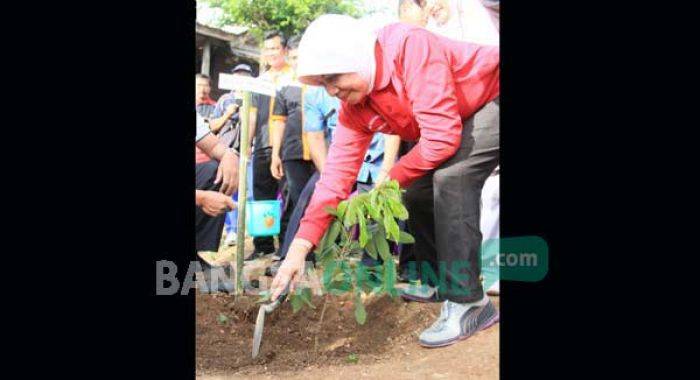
(336, 44)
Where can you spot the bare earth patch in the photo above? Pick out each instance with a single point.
(386, 346)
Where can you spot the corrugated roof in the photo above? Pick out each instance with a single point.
(240, 45)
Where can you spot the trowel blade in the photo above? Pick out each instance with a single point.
(257, 333)
(260, 321)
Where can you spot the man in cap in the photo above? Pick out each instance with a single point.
(226, 109)
(226, 124)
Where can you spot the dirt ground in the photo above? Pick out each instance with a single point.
(296, 346)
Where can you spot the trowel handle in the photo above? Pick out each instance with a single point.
(272, 306)
(282, 296)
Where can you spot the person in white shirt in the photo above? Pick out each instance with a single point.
(465, 20)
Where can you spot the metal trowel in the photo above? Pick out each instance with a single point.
(260, 321)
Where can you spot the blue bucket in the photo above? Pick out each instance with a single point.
(262, 218)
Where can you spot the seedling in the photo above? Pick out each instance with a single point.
(352, 358)
(374, 213)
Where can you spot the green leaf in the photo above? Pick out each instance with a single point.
(352, 358)
(338, 287)
(340, 211)
(361, 276)
(329, 270)
(318, 251)
(291, 17)
(331, 210)
(406, 238)
(324, 248)
(337, 276)
(350, 217)
(361, 199)
(369, 277)
(222, 319)
(322, 254)
(333, 232)
(360, 313)
(306, 297)
(329, 256)
(374, 212)
(392, 227)
(340, 277)
(398, 209)
(373, 197)
(371, 247)
(296, 302)
(383, 248)
(345, 266)
(391, 193)
(364, 234)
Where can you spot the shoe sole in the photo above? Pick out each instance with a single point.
(409, 298)
(255, 257)
(493, 320)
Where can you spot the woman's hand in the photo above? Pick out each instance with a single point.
(292, 268)
(392, 145)
(381, 177)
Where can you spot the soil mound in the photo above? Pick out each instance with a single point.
(225, 324)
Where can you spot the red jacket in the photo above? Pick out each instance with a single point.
(425, 85)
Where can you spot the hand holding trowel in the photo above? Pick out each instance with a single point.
(260, 321)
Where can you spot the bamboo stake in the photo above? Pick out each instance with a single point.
(242, 191)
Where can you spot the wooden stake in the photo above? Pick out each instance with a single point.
(242, 191)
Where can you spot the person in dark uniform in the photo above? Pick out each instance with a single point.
(291, 157)
(265, 186)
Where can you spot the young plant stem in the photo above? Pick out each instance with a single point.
(320, 322)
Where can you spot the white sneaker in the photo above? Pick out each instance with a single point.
(231, 239)
(458, 321)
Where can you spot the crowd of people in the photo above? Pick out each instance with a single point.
(415, 101)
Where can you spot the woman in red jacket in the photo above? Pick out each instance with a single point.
(441, 94)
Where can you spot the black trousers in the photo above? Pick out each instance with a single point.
(298, 173)
(208, 229)
(444, 209)
(298, 213)
(265, 188)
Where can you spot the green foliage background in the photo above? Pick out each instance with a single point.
(289, 16)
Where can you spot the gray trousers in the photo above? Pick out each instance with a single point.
(444, 211)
